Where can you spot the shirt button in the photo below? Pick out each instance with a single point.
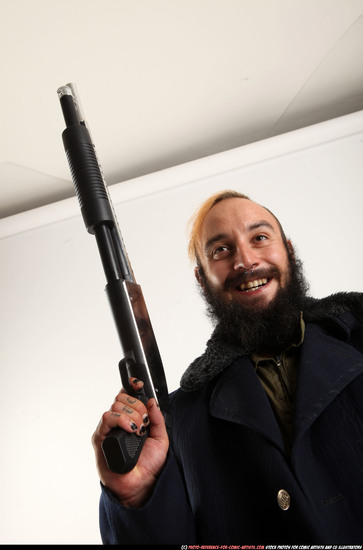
(283, 499)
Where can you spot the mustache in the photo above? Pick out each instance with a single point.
(237, 279)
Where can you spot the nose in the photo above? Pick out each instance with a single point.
(244, 259)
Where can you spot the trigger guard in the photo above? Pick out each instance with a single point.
(124, 367)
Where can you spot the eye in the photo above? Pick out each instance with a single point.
(260, 237)
(220, 252)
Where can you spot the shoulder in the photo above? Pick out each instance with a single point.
(181, 399)
(335, 305)
(193, 401)
(341, 315)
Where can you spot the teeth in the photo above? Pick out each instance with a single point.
(253, 284)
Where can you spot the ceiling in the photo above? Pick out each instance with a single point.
(163, 82)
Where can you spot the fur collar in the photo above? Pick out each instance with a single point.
(218, 355)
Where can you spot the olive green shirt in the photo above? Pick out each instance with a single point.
(278, 376)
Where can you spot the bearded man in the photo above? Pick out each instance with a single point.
(266, 444)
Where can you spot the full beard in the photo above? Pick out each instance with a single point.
(266, 329)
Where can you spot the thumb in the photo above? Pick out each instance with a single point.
(157, 422)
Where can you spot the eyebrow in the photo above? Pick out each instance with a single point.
(257, 225)
(223, 236)
(214, 239)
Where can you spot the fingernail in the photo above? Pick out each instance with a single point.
(133, 426)
(142, 430)
(145, 419)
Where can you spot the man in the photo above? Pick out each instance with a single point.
(266, 445)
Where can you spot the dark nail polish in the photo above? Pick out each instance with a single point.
(142, 430)
(146, 420)
(133, 426)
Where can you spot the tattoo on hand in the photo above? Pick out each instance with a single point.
(131, 400)
(127, 410)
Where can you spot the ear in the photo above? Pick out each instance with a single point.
(197, 275)
(290, 248)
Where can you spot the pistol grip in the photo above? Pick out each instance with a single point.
(122, 449)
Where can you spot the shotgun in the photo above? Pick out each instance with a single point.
(141, 357)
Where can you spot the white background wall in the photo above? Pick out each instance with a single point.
(59, 349)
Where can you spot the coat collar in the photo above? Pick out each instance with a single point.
(219, 355)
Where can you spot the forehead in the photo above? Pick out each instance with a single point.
(232, 215)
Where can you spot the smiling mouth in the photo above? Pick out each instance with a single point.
(252, 286)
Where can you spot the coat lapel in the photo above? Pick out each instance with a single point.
(327, 366)
(239, 397)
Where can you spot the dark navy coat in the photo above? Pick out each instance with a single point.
(228, 479)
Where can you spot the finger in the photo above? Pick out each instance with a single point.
(136, 383)
(132, 401)
(136, 386)
(124, 401)
(124, 419)
(135, 410)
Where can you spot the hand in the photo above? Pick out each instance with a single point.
(135, 487)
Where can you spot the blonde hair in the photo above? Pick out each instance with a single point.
(199, 215)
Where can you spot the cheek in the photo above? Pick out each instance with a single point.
(284, 269)
(216, 274)
(279, 259)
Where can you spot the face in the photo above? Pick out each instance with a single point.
(239, 236)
